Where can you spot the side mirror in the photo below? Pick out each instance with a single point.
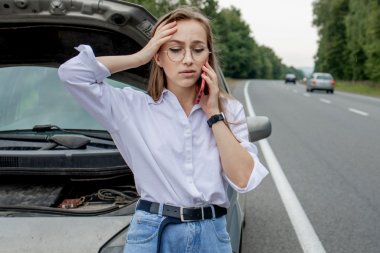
(259, 127)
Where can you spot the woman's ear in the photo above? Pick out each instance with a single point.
(157, 59)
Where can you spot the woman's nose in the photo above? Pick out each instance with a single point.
(188, 58)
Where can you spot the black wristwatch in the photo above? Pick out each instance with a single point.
(215, 118)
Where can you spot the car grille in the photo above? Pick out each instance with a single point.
(8, 161)
(20, 148)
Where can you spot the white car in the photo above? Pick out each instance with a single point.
(321, 81)
(63, 185)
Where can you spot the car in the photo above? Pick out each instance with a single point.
(64, 187)
(321, 81)
(290, 78)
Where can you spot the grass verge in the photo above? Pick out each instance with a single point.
(363, 88)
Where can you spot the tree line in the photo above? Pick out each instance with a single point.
(239, 54)
(349, 38)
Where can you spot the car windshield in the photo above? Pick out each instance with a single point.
(31, 95)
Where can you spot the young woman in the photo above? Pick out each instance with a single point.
(183, 153)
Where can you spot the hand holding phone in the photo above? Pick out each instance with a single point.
(200, 92)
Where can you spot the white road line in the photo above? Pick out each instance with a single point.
(306, 94)
(358, 111)
(305, 232)
(325, 101)
(295, 91)
(358, 96)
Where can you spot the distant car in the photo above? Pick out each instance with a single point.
(64, 186)
(290, 78)
(321, 81)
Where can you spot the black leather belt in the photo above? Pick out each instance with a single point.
(176, 215)
(182, 213)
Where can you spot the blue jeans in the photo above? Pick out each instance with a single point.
(207, 236)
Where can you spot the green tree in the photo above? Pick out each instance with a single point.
(156, 7)
(349, 38)
(372, 45)
(355, 33)
(234, 42)
(329, 17)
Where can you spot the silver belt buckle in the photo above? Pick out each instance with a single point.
(181, 214)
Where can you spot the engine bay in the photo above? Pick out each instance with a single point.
(80, 193)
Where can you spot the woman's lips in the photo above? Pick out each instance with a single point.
(188, 73)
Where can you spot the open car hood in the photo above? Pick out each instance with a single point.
(45, 32)
(59, 234)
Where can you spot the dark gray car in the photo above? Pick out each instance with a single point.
(63, 185)
(290, 78)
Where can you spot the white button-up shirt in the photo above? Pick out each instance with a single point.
(174, 158)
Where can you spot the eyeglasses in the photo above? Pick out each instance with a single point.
(177, 54)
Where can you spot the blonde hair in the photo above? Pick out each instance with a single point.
(157, 79)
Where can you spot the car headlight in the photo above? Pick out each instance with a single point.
(116, 243)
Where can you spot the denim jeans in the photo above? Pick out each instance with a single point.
(207, 236)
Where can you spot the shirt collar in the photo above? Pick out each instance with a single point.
(151, 101)
(165, 93)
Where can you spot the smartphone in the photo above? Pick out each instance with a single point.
(203, 90)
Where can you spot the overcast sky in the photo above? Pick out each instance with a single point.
(283, 25)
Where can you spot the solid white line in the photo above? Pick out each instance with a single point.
(306, 94)
(305, 232)
(325, 101)
(358, 111)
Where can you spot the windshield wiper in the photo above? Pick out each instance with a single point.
(25, 135)
(67, 140)
(88, 133)
(71, 139)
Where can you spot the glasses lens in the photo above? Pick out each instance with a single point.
(199, 54)
(178, 54)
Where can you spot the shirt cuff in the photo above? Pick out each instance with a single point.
(100, 71)
(258, 172)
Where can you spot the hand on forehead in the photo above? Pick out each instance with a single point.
(189, 33)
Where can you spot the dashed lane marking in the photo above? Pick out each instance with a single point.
(325, 101)
(358, 112)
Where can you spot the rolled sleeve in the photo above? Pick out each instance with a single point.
(84, 77)
(239, 128)
(83, 69)
(100, 71)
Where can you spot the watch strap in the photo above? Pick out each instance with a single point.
(215, 118)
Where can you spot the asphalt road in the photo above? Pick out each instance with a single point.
(329, 149)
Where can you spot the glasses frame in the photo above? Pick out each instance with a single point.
(183, 57)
